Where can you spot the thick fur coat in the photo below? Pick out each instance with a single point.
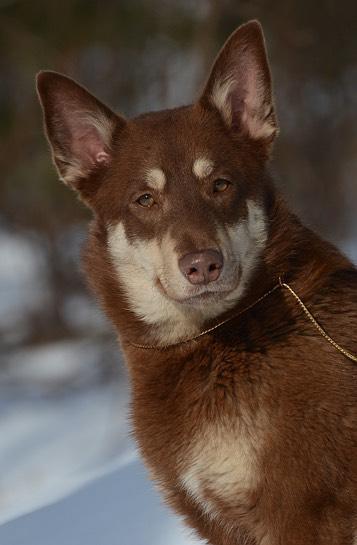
(250, 431)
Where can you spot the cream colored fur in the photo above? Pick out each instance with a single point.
(159, 294)
(222, 467)
(156, 179)
(202, 167)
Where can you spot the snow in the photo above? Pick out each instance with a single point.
(120, 508)
(54, 445)
(54, 364)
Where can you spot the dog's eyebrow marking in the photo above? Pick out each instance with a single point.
(202, 167)
(155, 178)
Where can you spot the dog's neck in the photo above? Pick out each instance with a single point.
(292, 251)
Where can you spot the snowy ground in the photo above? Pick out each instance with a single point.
(120, 508)
(53, 445)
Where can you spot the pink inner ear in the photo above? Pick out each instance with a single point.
(102, 157)
(89, 147)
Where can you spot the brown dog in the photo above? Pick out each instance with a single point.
(250, 429)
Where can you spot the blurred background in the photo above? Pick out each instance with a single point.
(63, 388)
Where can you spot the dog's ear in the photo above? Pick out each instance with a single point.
(79, 128)
(240, 87)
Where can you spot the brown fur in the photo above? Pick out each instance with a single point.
(267, 374)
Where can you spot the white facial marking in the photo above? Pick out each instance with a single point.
(156, 178)
(137, 264)
(202, 167)
(157, 291)
(245, 240)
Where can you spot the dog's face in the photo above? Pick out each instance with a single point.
(180, 192)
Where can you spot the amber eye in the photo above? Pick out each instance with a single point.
(220, 185)
(146, 200)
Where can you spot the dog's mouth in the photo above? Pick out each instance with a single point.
(208, 296)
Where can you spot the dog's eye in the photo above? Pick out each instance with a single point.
(220, 185)
(146, 200)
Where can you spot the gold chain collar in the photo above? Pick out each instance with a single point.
(280, 284)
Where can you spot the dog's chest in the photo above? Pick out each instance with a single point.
(221, 469)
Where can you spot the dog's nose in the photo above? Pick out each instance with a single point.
(201, 267)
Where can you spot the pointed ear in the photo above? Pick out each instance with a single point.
(240, 87)
(79, 127)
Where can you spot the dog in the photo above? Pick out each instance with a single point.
(238, 324)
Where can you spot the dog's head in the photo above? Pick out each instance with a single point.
(180, 192)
